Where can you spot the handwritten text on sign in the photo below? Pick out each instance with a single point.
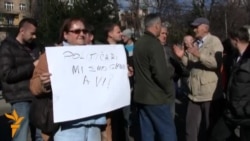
(87, 80)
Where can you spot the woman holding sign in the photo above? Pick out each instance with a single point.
(72, 32)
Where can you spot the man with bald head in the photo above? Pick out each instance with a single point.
(204, 58)
(18, 60)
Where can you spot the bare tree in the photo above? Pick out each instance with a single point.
(132, 18)
(246, 3)
(226, 15)
(199, 7)
(223, 14)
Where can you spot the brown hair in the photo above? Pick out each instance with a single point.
(108, 28)
(66, 27)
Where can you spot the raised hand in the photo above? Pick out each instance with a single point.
(178, 50)
(194, 50)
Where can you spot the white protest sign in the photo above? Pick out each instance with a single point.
(87, 80)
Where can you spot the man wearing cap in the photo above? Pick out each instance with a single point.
(204, 59)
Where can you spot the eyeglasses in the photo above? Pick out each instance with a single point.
(78, 31)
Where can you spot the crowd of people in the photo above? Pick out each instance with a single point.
(216, 83)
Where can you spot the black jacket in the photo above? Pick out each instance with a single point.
(153, 74)
(238, 92)
(16, 69)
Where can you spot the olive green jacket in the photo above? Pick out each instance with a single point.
(153, 74)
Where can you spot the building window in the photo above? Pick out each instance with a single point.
(22, 6)
(10, 21)
(8, 6)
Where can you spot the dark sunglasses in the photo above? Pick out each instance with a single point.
(78, 31)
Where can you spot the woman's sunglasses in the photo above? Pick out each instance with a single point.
(78, 31)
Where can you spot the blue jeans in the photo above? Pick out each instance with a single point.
(156, 123)
(22, 110)
(78, 131)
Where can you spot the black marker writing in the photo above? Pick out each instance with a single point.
(117, 66)
(101, 68)
(94, 56)
(72, 55)
(99, 80)
(109, 81)
(85, 80)
(77, 69)
(92, 69)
